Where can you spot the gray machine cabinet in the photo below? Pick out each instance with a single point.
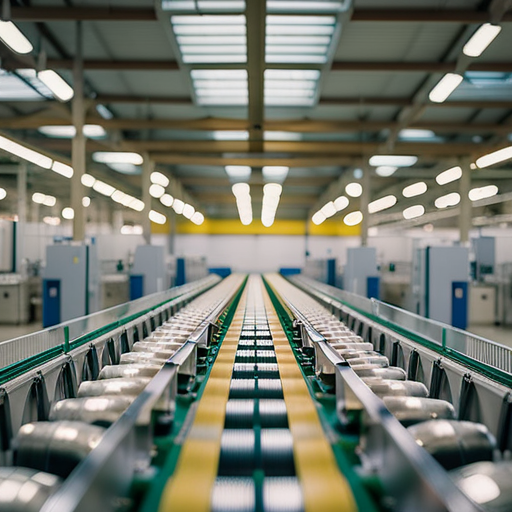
(361, 264)
(149, 262)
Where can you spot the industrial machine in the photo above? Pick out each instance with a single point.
(14, 299)
(255, 394)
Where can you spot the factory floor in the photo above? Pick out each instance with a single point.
(8, 332)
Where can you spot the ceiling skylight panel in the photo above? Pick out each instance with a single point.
(204, 5)
(14, 88)
(305, 6)
(220, 86)
(30, 76)
(290, 87)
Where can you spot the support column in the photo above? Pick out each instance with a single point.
(465, 216)
(365, 199)
(22, 216)
(172, 234)
(78, 143)
(147, 168)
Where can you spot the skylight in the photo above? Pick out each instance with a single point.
(14, 87)
(204, 5)
(306, 6)
(220, 86)
(285, 87)
(298, 39)
(211, 39)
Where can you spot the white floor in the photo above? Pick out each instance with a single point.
(8, 332)
(499, 334)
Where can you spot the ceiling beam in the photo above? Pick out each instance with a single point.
(117, 65)
(250, 160)
(425, 67)
(203, 181)
(466, 16)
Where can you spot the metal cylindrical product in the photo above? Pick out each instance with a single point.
(411, 410)
(352, 346)
(128, 370)
(391, 372)
(232, 493)
(357, 354)
(487, 483)
(237, 453)
(24, 489)
(246, 388)
(382, 361)
(158, 351)
(454, 443)
(387, 387)
(277, 452)
(101, 411)
(156, 346)
(113, 387)
(141, 358)
(55, 447)
(282, 494)
(243, 414)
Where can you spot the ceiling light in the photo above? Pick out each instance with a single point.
(122, 157)
(188, 211)
(25, 153)
(177, 206)
(382, 204)
(353, 218)
(59, 87)
(386, 170)
(87, 180)
(281, 136)
(354, 189)
(62, 169)
(448, 176)
(318, 218)
(415, 134)
(445, 87)
(38, 198)
(494, 158)
(272, 189)
(452, 199)
(156, 217)
(156, 191)
(51, 221)
(120, 197)
(136, 204)
(11, 35)
(328, 209)
(43, 199)
(481, 39)
(92, 131)
(482, 192)
(413, 211)
(241, 189)
(197, 218)
(86, 202)
(230, 135)
(159, 179)
(238, 172)
(357, 173)
(276, 174)
(68, 213)
(394, 160)
(341, 203)
(104, 112)
(416, 189)
(167, 200)
(124, 168)
(128, 229)
(49, 201)
(3, 193)
(103, 188)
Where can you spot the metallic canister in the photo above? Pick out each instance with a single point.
(454, 443)
(356, 354)
(487, 483)
(382, 361)
(410, 410)
(113, 387)
(24, 489)
(56, 447)
(370, 370)
(152, 346)
(102, 411)
(338, 345)
(128, 370)
(387, 387)
(148, 358)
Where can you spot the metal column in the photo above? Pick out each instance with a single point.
(465, 222)
(365, 199)
(78, 143)
(147, 168)
(22, 215)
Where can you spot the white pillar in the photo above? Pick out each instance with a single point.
(147, 168)
(22, 216)
(365, 199)
(465, 216)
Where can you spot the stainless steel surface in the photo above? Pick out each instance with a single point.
(114, 387)
(386, 387)
(391, 372)
(128, 370)
(410, 410)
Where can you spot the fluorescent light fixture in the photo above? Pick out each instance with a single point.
(353, 218)
(178, 206)
(128, 229)
(481, 39)
(288, 87)
(452, 199)
(238, 172)
(91, 131)
(318, 218)
(271, 196)
(357, 173)
(394, 160)
(243, 202)
(415, 134)
(494, 158)
(62, 169)
(167, 200)
(87, 180)
(3, 193)
(43, 199)
(103, 188)
(156, 217)
(156, 191)
(276, 174)
(386, 170)
(104, 112)
(121, 157)
(272, 189)
(38, 198)
(382, 204)
(449, 175)
(68, 213)
(197, 218)
(159, 179)
(354, 189)
(59, 87)
(86, 202)
(306, 5)
(25, 153)
(188, 211)
(341, 203)
(482, 192)
(136, 204)
(49, 201)
(51, 221)
(230, 135)
(241, 189)
(120, 197)
(445, 87)
(329, 209)
(124, 168)
(11, 35)
(276, 135)
(413, 212)
(416, 189)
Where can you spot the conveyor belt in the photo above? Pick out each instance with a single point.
(256, 439)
